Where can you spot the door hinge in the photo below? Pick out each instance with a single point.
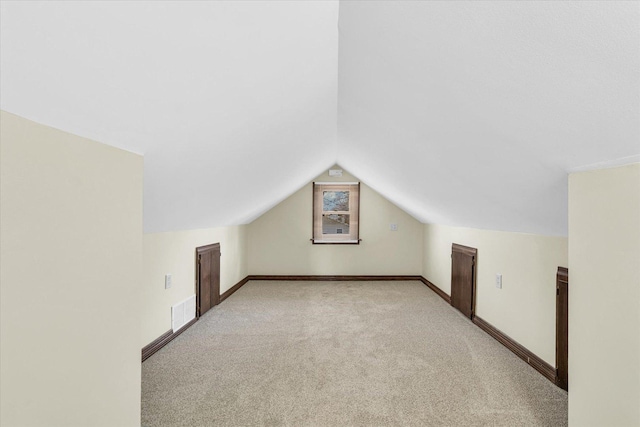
(557, 291)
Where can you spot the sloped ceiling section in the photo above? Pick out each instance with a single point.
(462, 113)
(233, 104)
(473, 113)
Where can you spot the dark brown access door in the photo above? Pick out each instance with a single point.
(562, 328)
(463, 279)
(207, 277)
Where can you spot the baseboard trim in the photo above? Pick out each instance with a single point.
(523, 353)
(234, 288)
(333, 278)
(163, 340)
(168, 336)
(345, 278)
(437, 290)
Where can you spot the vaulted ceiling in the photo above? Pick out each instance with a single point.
(462, 113)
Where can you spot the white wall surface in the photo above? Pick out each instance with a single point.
(524, 308)
(71, 254)
(604, 297)
(174, 253)
(279, 240)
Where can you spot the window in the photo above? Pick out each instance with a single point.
(336, 207)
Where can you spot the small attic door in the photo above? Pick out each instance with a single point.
(207, 277)
(463, 279)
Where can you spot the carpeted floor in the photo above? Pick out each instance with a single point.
(342, 353)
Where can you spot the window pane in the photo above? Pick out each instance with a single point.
(335, 201)
(335, 224)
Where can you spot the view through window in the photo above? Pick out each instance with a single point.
(336, 212)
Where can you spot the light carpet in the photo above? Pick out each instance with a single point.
(280, 353)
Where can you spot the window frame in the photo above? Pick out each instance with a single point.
(353, 212)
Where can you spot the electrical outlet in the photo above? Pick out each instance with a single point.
(393, 227)
(498, 281)
(167, 281)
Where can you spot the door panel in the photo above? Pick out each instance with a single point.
(215, 276)
(463, 279)
(208, 277)
(205, 282)
(562, 327)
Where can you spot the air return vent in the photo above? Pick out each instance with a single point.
(183, 312)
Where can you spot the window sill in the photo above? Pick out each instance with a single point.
(336, 242)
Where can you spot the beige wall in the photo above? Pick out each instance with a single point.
(279, 239)
(604, 297)
(524, 308)
(71, 254)
(174, 253)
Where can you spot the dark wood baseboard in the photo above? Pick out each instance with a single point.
(166, 338)
(333, 278)
(163, 340)
(234, 288)
(437, 290)
(523, 353)
(345, 278)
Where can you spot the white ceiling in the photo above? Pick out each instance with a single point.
(233, 104)
(472, 113)
(462, 113)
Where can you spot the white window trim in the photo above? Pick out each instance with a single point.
(354, 212)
